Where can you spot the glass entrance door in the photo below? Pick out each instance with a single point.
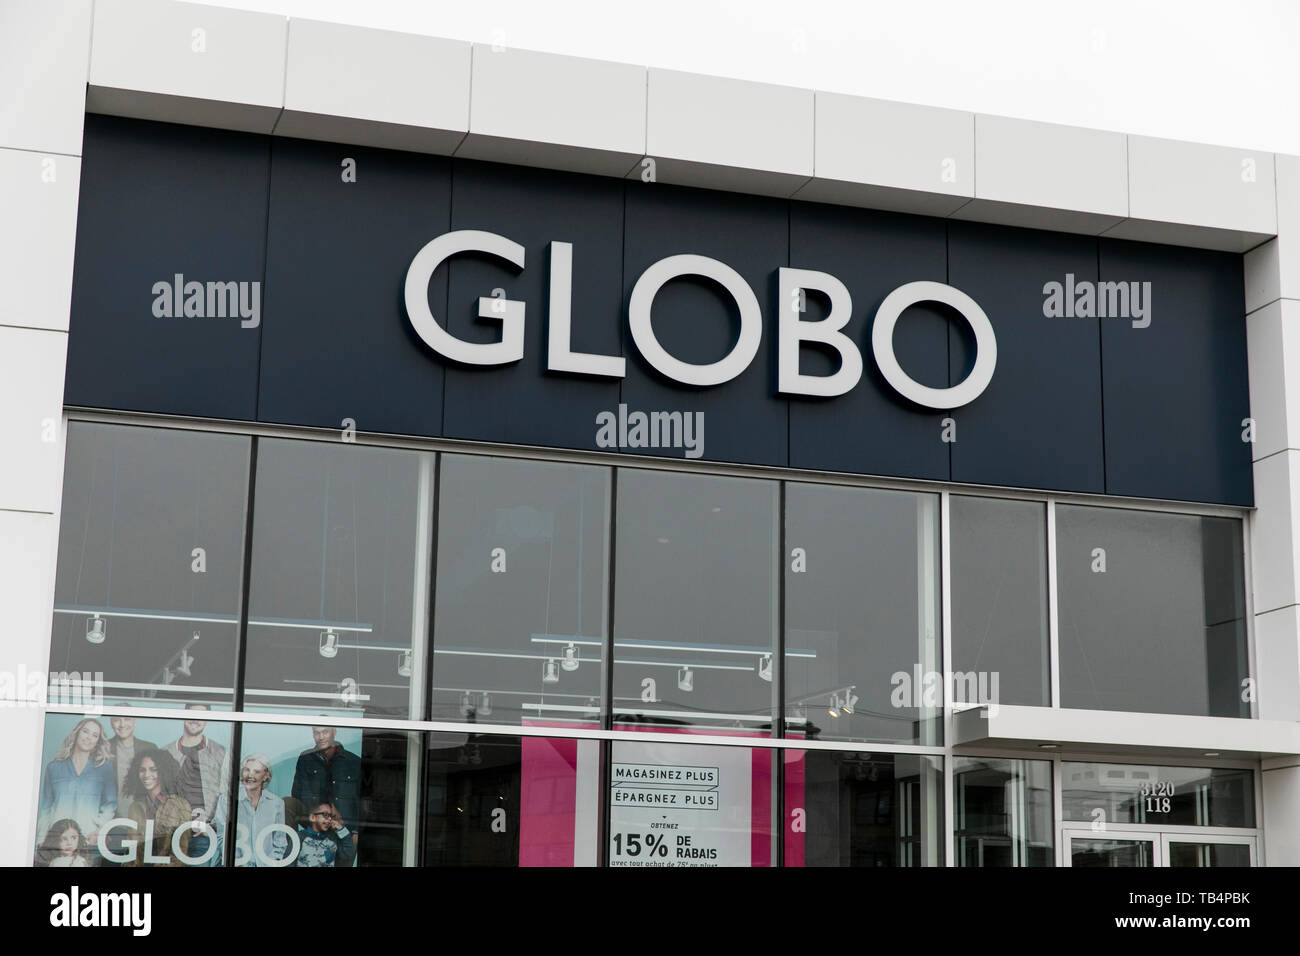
(1194, 850)
(1139, 848)
(1130, 849)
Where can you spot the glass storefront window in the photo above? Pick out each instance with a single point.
(863, 640)
(150, 568)
(863, 809)
(323, 796)
(503, 801)
(1156, 795)
(1003, 811)
(520, 615)
(1152, 612)
(338, 604)
(127, 791)
(695, 601)
(999, 601)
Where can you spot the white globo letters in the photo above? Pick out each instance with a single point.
(508, 312)
(882, 345)
(792, 329)
(643, 333)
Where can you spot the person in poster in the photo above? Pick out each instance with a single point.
(325, 840)
(64, 845)
(329, 773)
(156, 788)
(258, 810)
(79, 784)
(123, 745)
(204, 773)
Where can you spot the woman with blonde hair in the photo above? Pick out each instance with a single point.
(79, 783)
(258, 810)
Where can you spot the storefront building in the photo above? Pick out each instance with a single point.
(433, 454)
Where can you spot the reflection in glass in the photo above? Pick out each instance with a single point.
(695, 805)
(862, 809)
(323, 796)
(695, 605)
(338, 595)
(999, 601)
(1004, 812)
(863, 653)
(1209, 854)
(497, 801)
(1111, 853)
(150, 569)
(127, 791)
(1145, 793)
(1152, 612)
(519, 621)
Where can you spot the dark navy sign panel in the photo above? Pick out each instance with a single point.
(157, 201)
(1041, 425)
(872, 430)
(744, 420)
(337, 254)
(520, 403)
(1176, 392)
(1076, 404)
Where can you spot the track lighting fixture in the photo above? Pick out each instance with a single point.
(95, 630)
(570, 660)
(404, 663)
(329, 644)
(686, 679)
(765, 667)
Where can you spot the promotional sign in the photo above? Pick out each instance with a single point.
(673, 805)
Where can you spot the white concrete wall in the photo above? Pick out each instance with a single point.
(44, 52)
(1273, 340)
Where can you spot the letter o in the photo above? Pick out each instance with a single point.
(196, 826)
(751, 319)
(882, 345)
(290, 855)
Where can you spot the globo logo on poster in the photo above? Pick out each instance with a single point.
(792, 329)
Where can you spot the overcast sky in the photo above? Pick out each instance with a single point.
(1224, 72)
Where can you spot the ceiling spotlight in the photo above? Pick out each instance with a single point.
(550, 671)
(765, 667)
(95, 630)
(184, 664)
(329, 644)
(834, 708)
(686, 679)
(850, 701)
(570, 660)
(404, 663)
(485, 708)
(466, 704)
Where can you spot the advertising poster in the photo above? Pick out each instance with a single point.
(674, 805)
